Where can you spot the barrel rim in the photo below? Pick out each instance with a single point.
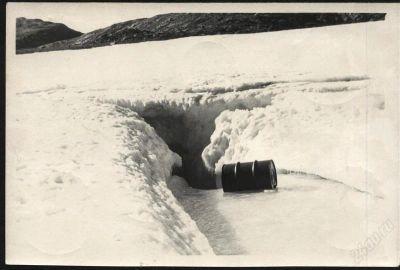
(274, 173)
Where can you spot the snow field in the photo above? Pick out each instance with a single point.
(91, 187)
(321, 102)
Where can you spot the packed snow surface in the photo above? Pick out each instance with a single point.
(90, 135)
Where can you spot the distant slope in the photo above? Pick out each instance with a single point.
(177, 25)
(31, 33)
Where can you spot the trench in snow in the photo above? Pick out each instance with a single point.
(186, 128)
(187, 125)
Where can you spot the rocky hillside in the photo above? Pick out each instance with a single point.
(31, 33)
(177, 25)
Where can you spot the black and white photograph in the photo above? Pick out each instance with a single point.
(202, 134)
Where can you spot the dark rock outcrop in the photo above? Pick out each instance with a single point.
(177, 25)
(31, 33)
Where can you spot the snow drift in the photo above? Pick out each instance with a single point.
(98, 184)
(266, 133)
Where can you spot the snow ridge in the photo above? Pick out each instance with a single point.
(149, 161)
(102, 169)
(187, 124)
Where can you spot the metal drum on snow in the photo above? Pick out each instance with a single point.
(257, 175)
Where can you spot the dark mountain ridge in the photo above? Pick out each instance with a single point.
(178, 25)
(31, 33)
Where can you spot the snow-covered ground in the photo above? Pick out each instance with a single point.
(90, 133)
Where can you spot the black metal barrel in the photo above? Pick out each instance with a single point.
(257, 175)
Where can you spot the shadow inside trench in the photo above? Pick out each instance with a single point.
(200, 204)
